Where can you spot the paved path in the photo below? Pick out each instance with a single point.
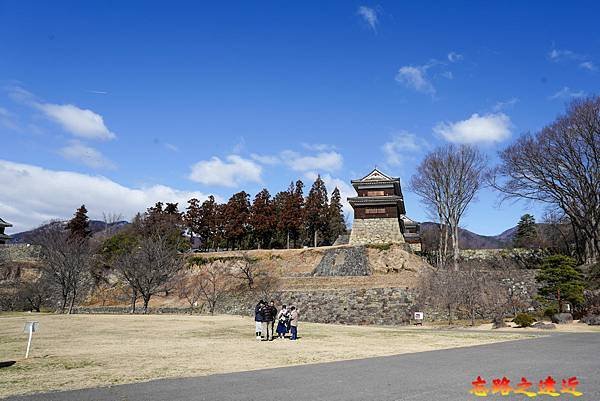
(428, 376)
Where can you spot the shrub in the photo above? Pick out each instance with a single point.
(524, 319)
(550, 311)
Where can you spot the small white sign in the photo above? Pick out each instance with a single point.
(418, 315)
(30, 327)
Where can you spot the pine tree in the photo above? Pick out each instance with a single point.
(560, 280)
(526, 234)
(315, 211)
(262, 218)
(79, 225)
(336, 224)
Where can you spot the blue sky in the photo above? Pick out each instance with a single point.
(121, 104)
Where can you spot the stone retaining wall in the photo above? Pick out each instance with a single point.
(343, 262)
(387, 306)
(376, 231)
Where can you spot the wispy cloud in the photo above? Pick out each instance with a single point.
(415, 77)
(400, 147)
(318, 147)
(369, 15)
(98, 92)
(487, 128)
(588, 65)
(566, 93)
(8, 119)
(564, 54)
(506, 104)
(323, 161)
(454, 57)
(171, 147)
(81, 153)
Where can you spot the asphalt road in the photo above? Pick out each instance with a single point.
(428, 376)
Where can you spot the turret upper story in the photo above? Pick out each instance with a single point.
(3, 237)
(377, 192)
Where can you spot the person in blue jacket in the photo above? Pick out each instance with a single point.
(259, 318)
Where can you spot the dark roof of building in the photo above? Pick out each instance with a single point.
(376, 177)
(4, 223)
(378, 200)
(5, 237)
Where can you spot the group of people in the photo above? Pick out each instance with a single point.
(265, 316)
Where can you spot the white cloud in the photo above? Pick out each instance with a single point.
(588, 65)
(81, 123)
(171, 147)
(415, 77)
(476, 129)
(32, 195)
(447, 74)
(401, 146)
(8, 120)
(318, 147)
(231, 172)
(499, 106)
(266, 159)
(78, 152)
(561, 55)
(454, 57)
(567, 93)
(369, 15)
(323, 161)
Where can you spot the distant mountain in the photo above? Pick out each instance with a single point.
(470, 240)
(96, 226)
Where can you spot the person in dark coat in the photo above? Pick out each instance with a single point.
(258, 318)
(269, 313)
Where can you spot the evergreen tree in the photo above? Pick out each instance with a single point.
(526, 234)
(193, 219)
(336, 224)
(262, 218)
(235, 218)
(288, 208)
(560, 280)
(315, 211)
(164, 220)
(79, 225)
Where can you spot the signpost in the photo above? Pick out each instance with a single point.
(418, 318)
(30, 327)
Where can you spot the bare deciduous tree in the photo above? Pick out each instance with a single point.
(447, 180)
(149, 267)
(246, 270)
(188, 286)
(215, 283)
(66, 263)
(560, 166)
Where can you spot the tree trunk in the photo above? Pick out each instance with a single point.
(288, 239)
(72, 302)
(315, 239)
(146, 301)
(133, 301)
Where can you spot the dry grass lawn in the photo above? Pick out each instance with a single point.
(79, 351)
